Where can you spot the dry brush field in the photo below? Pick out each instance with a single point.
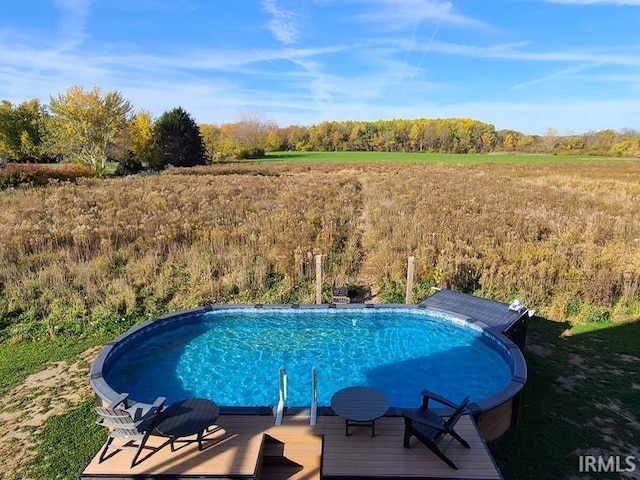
(78, 258)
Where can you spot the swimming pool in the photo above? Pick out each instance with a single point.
(231, 354)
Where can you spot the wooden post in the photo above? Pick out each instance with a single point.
(408, 299)
(318, 279)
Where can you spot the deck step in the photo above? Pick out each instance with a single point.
(291, 456)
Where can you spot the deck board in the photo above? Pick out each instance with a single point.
(234, 451)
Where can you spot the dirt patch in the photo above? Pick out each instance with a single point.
(25, 409)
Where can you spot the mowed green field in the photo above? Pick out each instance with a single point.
(435, 158)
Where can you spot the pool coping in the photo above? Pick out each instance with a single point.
(518, 377)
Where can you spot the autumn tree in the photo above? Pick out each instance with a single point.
(142, 137)
(276, 140)
(251, 135)
(210, 136)
(178, 140)
(605, 140)
(627, 146)
(549, 139)
(418, 135)
(84, 126)
(226, 145)
(20, 130)
(296, 138)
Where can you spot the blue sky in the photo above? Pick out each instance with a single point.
(528, 65)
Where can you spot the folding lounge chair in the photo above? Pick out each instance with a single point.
(131, 422)
(430, 428)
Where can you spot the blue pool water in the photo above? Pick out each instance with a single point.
(232, 357)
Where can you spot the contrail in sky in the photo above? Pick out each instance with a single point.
(426, 49)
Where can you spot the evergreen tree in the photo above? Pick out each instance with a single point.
(178, 140)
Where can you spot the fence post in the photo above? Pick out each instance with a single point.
(318, 279)
(408, 299)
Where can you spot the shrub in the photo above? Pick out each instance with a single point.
(596, 315)
(391, 290)
(245, 153)
(573, 307)
(129, 166)
(15, 174)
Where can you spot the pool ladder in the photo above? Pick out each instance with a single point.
(282, 395)
(278, 410)
(314, 397)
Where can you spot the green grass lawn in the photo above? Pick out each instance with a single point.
(426, 157)
(581, 397)
(69, 442)
(19, 360)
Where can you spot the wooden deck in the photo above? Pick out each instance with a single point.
(251, 447)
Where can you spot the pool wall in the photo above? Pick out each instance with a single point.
(494, 415)
(499, 319)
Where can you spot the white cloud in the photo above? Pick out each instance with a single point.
(283, 23)
(311, 91)
(517, 52)
(563, 73)
(633, 3)
(151, 80)
(73, 18)
(401, 14)
(622, 56)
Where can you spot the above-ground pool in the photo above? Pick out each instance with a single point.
(231, 354)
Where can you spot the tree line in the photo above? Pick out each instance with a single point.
(92, 128)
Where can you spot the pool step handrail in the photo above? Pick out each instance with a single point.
(282, 395)
(314, 397)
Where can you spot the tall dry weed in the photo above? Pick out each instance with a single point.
(171, 241)
(548, 233)
(564, 238)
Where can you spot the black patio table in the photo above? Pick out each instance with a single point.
(359, 405)
(185, 418)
